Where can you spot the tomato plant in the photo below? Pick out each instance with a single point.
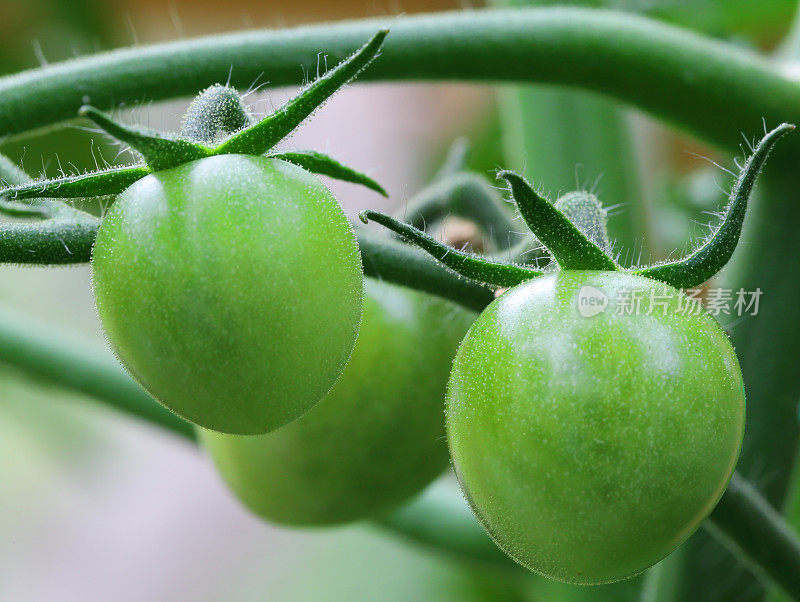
(375, 439)
(588, 446)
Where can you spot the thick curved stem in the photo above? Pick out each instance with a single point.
(58, 234)
(64, 237)
(696, 83)
(398, 263)
(746, 523)
(56, 358)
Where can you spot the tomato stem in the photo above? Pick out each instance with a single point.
(468, 195)
(60, 234)
(748, 526)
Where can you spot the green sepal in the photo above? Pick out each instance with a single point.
(101, 183)
(324, 165)
(482, 269)
(262, 136)
(157, 150)
(710, 257)
(570, 247)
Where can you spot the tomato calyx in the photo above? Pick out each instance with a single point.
(574, 234)
(213, 115)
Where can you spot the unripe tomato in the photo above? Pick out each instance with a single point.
(377, 437)
(231, 289)
(590, 446)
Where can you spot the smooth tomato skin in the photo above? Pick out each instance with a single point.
(591, 447)
(231, 289)
(376, 439)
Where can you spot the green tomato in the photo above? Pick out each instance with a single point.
(591, 446)
(376, 439)
(231, 289)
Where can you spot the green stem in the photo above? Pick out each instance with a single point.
(438, 518)
(696, 83)
(755, 532)
(397, 262)
(792, 514)
(43, 352)
(64, 237)
(60, 234)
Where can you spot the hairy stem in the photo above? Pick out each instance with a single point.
(699, 84)
(746, 523)
(57, 234)
(43, 352)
